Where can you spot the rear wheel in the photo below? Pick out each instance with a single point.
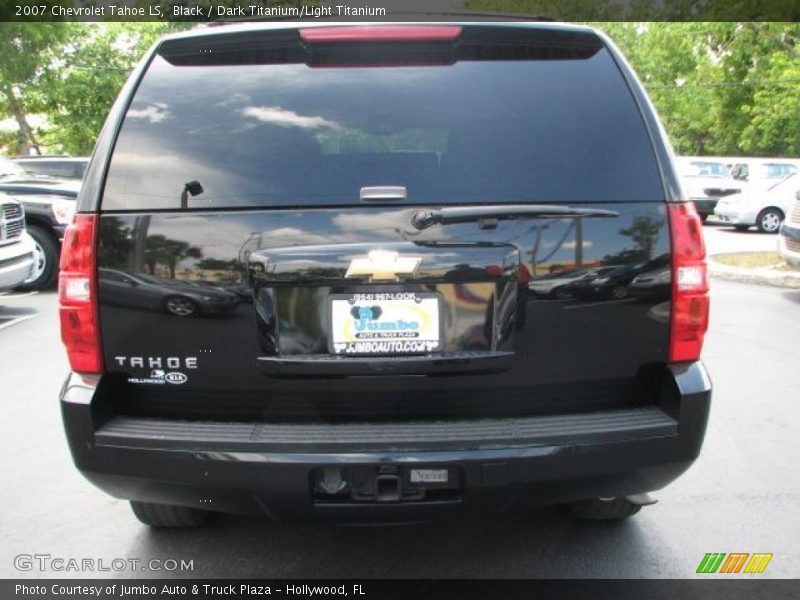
(166, 515)
(181, 306)
(741, 227)
(560, 293)
(45, 269)
(769, 220)
(619, 292)
(604, 509)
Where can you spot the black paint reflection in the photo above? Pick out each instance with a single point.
(554, 285)
(477, 283)
(632, 269)
(177, 298)
(509, 288)
(610, 283)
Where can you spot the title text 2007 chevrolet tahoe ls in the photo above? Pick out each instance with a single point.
(381, 199)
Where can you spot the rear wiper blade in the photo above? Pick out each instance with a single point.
(490, 214)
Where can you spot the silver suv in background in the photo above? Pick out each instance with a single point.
(17, 248)
(706, 180)
(49, 204)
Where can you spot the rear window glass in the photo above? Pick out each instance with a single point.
(249, 135)
(779, 170)
(764, 170)
(705, 169)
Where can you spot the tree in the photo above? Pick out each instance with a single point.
(720, 88)
(79, 89)
(26, 50)
(643, 232)
(215, 264)
(773, 110)
(70, 73)
(169, 252)
(117, 242)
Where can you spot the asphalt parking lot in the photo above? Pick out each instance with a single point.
(724, 240)
(741, 496)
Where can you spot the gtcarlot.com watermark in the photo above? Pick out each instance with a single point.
(46, 563)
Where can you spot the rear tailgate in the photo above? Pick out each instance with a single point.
(300, 228)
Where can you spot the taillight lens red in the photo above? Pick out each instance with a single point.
(77, 295)
(689, 283)
(381, 33)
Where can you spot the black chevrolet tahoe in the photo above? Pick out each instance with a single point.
(381, 200)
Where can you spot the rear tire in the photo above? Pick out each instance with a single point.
(769, 220)
(612, 509)
(167, 515)
(47, 255)
(181, 306)
(741, 227)
(620, 292)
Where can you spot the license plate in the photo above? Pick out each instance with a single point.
(385, 323)
(428, 476)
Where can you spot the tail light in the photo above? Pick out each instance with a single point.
(689, 283)
(77, 295)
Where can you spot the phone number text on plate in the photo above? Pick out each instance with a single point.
(377, 297)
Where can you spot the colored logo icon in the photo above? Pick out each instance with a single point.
(734, 562)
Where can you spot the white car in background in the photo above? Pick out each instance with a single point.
(763, 203)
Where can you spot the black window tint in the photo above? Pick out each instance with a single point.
(475, 131)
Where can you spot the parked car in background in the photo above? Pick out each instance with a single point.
(564, 285)
(552, 284)
(705, 180)
(49, 205)
(606, 283)
(64, 167)
(174, 297)
(789, 238)
(764, 203)
(653, 281)
(17, 248)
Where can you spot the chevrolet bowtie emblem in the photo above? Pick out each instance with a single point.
(383, 265)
